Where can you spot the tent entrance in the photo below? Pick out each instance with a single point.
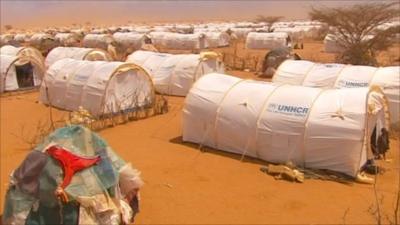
(24, 73)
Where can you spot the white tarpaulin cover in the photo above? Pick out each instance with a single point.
(12, 80)
(175, 74)
(256, 40)
(68, 39)
(76, 53)
(97, 86)
(310, 74)
(216, 39)
(23, 51)
(130, 40)
(177, 41)
(311, 127)
(97, 41)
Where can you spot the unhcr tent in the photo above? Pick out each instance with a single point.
(310, 127)
(310, 74)
(256, 40)
(102, 88)
(19, 72)
(175, 74)
(97, 41)
(177, 41)
(74, 178)
(89, 54)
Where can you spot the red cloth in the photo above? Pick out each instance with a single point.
(70, 163)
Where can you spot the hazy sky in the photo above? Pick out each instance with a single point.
(32, 13)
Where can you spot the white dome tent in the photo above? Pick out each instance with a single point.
(216, 39)
(89, 54)
(331, 44)
(310, 74)
(19, 72)
(23, 51)
(97, 41)
(175, 74)
(128, 42)
(310, 127)
(178, 41)
(102, 88)
(68, 39)
(43, 42)
(256, 40)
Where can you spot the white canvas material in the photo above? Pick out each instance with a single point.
(23, 51)
(216, 39)
(256, 40)
(178, 41)
(97, 86)
(175, 74)
(311, 127)
(331, 45)
(310, 74)
(68, 39)
(8, 73)
(129, 39)
(76, 53)
(97, 41)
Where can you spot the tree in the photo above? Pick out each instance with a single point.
(8, 27)
(358, 29)
(269, 20)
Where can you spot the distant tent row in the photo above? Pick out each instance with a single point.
(175, 74)
(310, 127)
(310, 74)
(102, 88)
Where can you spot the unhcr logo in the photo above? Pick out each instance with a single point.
(350, 84)
(289, 110)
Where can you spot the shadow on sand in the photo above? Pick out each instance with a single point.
(245, 159)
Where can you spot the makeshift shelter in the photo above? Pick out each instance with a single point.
(273, 40)
(98, 41)
(102, 88)
(73, 177)
(178, 41)
(310, 74)
(175, 74)
(43, 42)
(89, 54)
(19, 72)
(310, 127)
(69, 39)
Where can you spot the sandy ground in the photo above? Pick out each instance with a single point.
(185, 185)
